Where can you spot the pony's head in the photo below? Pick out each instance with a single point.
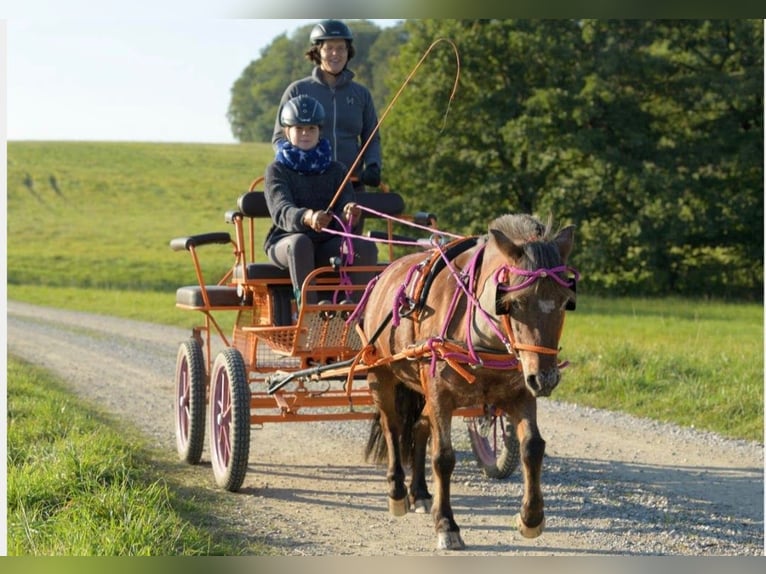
(534, 289)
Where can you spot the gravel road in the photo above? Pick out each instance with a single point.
(613, 484)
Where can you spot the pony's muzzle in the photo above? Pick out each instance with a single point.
(541, 384)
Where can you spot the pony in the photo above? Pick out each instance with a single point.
(485, 332)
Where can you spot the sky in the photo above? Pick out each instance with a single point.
(109, 78)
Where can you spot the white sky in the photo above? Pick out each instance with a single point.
(129, 79)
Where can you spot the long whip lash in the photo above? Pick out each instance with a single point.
(391, 104)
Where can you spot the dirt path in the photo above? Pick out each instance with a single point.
(613, 484)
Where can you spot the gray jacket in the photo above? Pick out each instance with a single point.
(350, 117)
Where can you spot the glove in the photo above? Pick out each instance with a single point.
(371, 175)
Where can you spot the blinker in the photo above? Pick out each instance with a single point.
(572, 303)
(500, 307)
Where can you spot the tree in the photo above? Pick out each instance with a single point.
(645, 134)
(255, 95)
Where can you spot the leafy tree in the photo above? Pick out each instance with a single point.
(646, 134)
(256, 93)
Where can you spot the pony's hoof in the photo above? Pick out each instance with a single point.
(449, 541)
(526, 531)
(423, 505)
(399, 507)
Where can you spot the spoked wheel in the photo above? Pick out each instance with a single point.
(229, 419)
(494, 443)
(191, 385)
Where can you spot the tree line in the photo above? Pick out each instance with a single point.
(645, 134)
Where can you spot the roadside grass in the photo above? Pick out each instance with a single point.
(81, 484)
(100, 244)
(694, 363)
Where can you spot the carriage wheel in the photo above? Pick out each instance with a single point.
(229, 419)
(494, 444)
(190, 401)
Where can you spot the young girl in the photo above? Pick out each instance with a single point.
(299, 186)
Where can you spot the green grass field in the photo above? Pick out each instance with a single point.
(81, 484)
(89, 226)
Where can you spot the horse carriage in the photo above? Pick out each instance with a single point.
(340, 359)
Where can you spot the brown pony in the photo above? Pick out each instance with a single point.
(473, 323)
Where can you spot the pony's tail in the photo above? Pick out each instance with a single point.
(409, 406)
(376, 450)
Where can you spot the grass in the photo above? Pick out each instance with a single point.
(100, 244)
(114, 208)
(80, 484)
(694, 363)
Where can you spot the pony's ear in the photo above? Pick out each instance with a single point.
(506, 245)
(565, 240)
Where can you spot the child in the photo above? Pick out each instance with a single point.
(299, 186)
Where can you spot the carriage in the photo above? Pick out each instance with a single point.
(282, 363)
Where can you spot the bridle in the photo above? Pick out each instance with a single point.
(501, 276)
(440, 347)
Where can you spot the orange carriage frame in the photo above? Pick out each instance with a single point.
(313, 351)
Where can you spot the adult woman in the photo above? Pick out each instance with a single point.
(350, 112)
(299, 185)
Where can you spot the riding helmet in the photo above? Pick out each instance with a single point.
(301, 110)
(330, 30)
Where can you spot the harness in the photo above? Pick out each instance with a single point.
(411, 297)
(420, 277)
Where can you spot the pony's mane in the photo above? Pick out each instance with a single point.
(534, 237)
(522, 228)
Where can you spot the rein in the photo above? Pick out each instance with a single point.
(418, 281)
(455, 354)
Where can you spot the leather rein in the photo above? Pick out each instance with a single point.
(411, 296)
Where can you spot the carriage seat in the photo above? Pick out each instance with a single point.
(253, 204)
(219, 295)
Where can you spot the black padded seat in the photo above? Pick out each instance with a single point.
(266, 271)
(261, 272)
(219, 295)
(253, 204)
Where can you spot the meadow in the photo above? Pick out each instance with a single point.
(89, 225)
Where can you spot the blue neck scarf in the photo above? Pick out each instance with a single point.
(305, 162)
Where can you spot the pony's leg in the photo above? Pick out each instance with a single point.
(420, 498)
(531, 520)
(443, 462)
(383, 393)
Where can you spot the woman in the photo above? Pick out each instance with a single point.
(351, 115)
(298, 186)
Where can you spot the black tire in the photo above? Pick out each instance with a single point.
(191, 383)
(494, 445)
(229, 419)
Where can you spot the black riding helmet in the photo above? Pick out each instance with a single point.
(301, 110)
(329, 30)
